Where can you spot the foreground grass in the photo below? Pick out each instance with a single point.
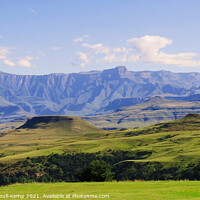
(151, 190)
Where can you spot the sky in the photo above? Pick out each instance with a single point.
(69, 36)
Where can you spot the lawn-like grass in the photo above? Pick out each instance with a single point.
(151, 190)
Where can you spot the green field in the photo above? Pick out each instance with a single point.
(151, 190)
(174, 143)
(167, 142)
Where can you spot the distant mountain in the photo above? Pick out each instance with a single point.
(89, 93)
(155, 110)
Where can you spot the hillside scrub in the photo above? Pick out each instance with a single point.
(117, 165)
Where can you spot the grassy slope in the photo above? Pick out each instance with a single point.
(44, 139)
(165, 190)
(154, 111)
(169, 142)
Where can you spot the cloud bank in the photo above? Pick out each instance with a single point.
(146, 49)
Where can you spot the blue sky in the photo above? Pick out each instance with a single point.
(65, 36)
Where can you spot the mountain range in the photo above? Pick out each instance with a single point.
(90, 93)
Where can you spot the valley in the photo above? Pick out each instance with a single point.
(130, 133)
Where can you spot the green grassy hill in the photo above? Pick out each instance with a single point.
(172, 141)
(44, 135)
(155, 110)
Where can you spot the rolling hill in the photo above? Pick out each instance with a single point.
(172, 141)
(43, 135)
(155, 110)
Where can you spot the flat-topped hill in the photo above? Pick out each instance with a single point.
(43, 135)
(36, 121)
(64, 123)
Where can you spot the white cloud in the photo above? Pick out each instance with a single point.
(56, 48)
(148, 48)
(101, 53)
(2, 57)
(4, 51)
(133, 58)
(25, 62)
(111, 58)
(81, 39)
(5, 54)
(33, 11)
(121, 50)
(41, 53)
(78, 40)
(1, 36)
(86, 36)
(81, 59)
(149, 44)
(144, 49)
(8, 62)
(97, 48)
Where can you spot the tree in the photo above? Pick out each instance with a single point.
(97, 171)
(4, 180)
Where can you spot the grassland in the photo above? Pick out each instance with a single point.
(173, 141)
(45, 137)
(169, 142)
(151, 190)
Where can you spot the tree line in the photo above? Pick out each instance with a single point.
(117, 165)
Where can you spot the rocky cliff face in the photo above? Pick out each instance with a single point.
(87, 93)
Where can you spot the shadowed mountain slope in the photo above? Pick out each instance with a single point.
(95, 92)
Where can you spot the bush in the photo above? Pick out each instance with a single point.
(98, 171)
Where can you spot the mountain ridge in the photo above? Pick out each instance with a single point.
(152, 111)
(90, 93)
